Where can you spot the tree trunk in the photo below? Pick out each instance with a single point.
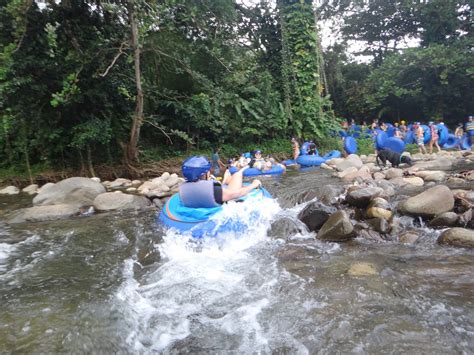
(132, 148)
(89, 161)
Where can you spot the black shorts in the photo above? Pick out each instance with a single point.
(218, 193)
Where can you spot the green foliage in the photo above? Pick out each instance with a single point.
(365, 146)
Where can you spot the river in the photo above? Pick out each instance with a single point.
(118, 282)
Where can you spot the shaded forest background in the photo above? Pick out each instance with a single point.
(94, 82)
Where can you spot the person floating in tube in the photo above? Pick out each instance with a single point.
(201, 191)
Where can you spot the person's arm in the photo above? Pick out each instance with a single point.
(228, 194)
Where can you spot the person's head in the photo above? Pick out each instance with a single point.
(470, 118)
(216, 149)
(196, 168)
(402, 122)
(430, 123)
(396, 124)
(258, 154)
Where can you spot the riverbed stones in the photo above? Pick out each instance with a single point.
(363, 173)
(379, 176)
(409, 237)
(377, 212)
(285, 227)
(46, 186)
(379, 202)
(76, 191)
(434, 201)
(314, 215)
(348, 171)
(119, 183)
(172, 180)
(338, 228)
(95, 178)
(447, 219)
(435, 176)
(393, 173)
(31, 189)
(379, 224)
(457, 237)
(360, 269)
(43, 213)
(414, 181)
(351, 161)
(10, 190)
(362, 196)
(110, 201)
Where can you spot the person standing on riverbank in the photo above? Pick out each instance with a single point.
(470, 129)
(434, 137)
(216, 162)
(420, 137)
(296, 148)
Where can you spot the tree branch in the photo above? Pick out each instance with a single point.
(117, 56)
(161, 129)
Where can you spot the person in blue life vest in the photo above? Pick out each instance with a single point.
(470, 129)
(201, 191)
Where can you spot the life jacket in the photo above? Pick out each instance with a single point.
(199, 194)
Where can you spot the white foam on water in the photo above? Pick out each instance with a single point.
(216, 286)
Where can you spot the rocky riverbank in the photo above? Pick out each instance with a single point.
(369, 202)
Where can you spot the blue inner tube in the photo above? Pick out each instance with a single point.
(310, 160)
(409, 138)
(305, 147)
(451, 142)
(343, 133)
(380, 139)
(275, 170)
(466, 142)
(443, 134)
(350, 145)
(395, 144)
(289, 162)
(427, 134)
(332, 154)
(390, 131)
(198, 220)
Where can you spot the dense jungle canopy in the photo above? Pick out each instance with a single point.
(85, 82)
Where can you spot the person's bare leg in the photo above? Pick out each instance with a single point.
(227, 177)
(431, 147)
(235, 182)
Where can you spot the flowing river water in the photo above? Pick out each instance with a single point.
(118, 282)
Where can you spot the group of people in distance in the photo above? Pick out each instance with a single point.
(401, 129)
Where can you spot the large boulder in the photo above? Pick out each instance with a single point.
(363, 173)
(457, 237)
(440, 163)
(77, 191)
(10, 190)
(31, 189)
(338, 228)
(314, 215)
(351, 161)
(434, 201)
(361, 197)
(42, 213)
(119, 201)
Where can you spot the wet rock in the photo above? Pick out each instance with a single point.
(31, 189)
(414, 180)
(351, 161)
(379, 224)
(393, 173)
(435, 176)
(43, 213)
(359, 269)
(325, 166)
(434, 201)
(409, 237)
(76, 191)
(46, 186)
(131, 189)
(465, 219)
(328, 194)
(363, 174)
(10, 190)
(157, 202)
(457, 237)
(447, 219)
(387, 187)
(338, 228)
(370, 234)
(136, 183)
(333, 162)
(314, 215)
(286, 227)
(120, 182)
(379, 202)
(362, 196)
(110, 201)
(347, 172)
(377, 212)
(379, 176)
(440, 163)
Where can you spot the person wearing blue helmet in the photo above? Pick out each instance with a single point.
(200, 191)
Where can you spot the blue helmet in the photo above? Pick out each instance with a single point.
(195, 167)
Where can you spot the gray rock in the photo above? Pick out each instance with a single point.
(434, 201)
(314, 215)
(447, 219)
(10, 190)
(31, 189)
(286, 227)
(327, 194)
(172, 180)
(441, 163)
(42, 213)
(435, 176)
(387, 187)
(119, 201)
(338, 228)
(414, 180)
(457, 237)
(165, 175)
(120, 182)
(76, 191)
(361, 197)
(409, 237)
(380, 203)
(379, 224)
(393, 173)
(351, 161)
(46, 186)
